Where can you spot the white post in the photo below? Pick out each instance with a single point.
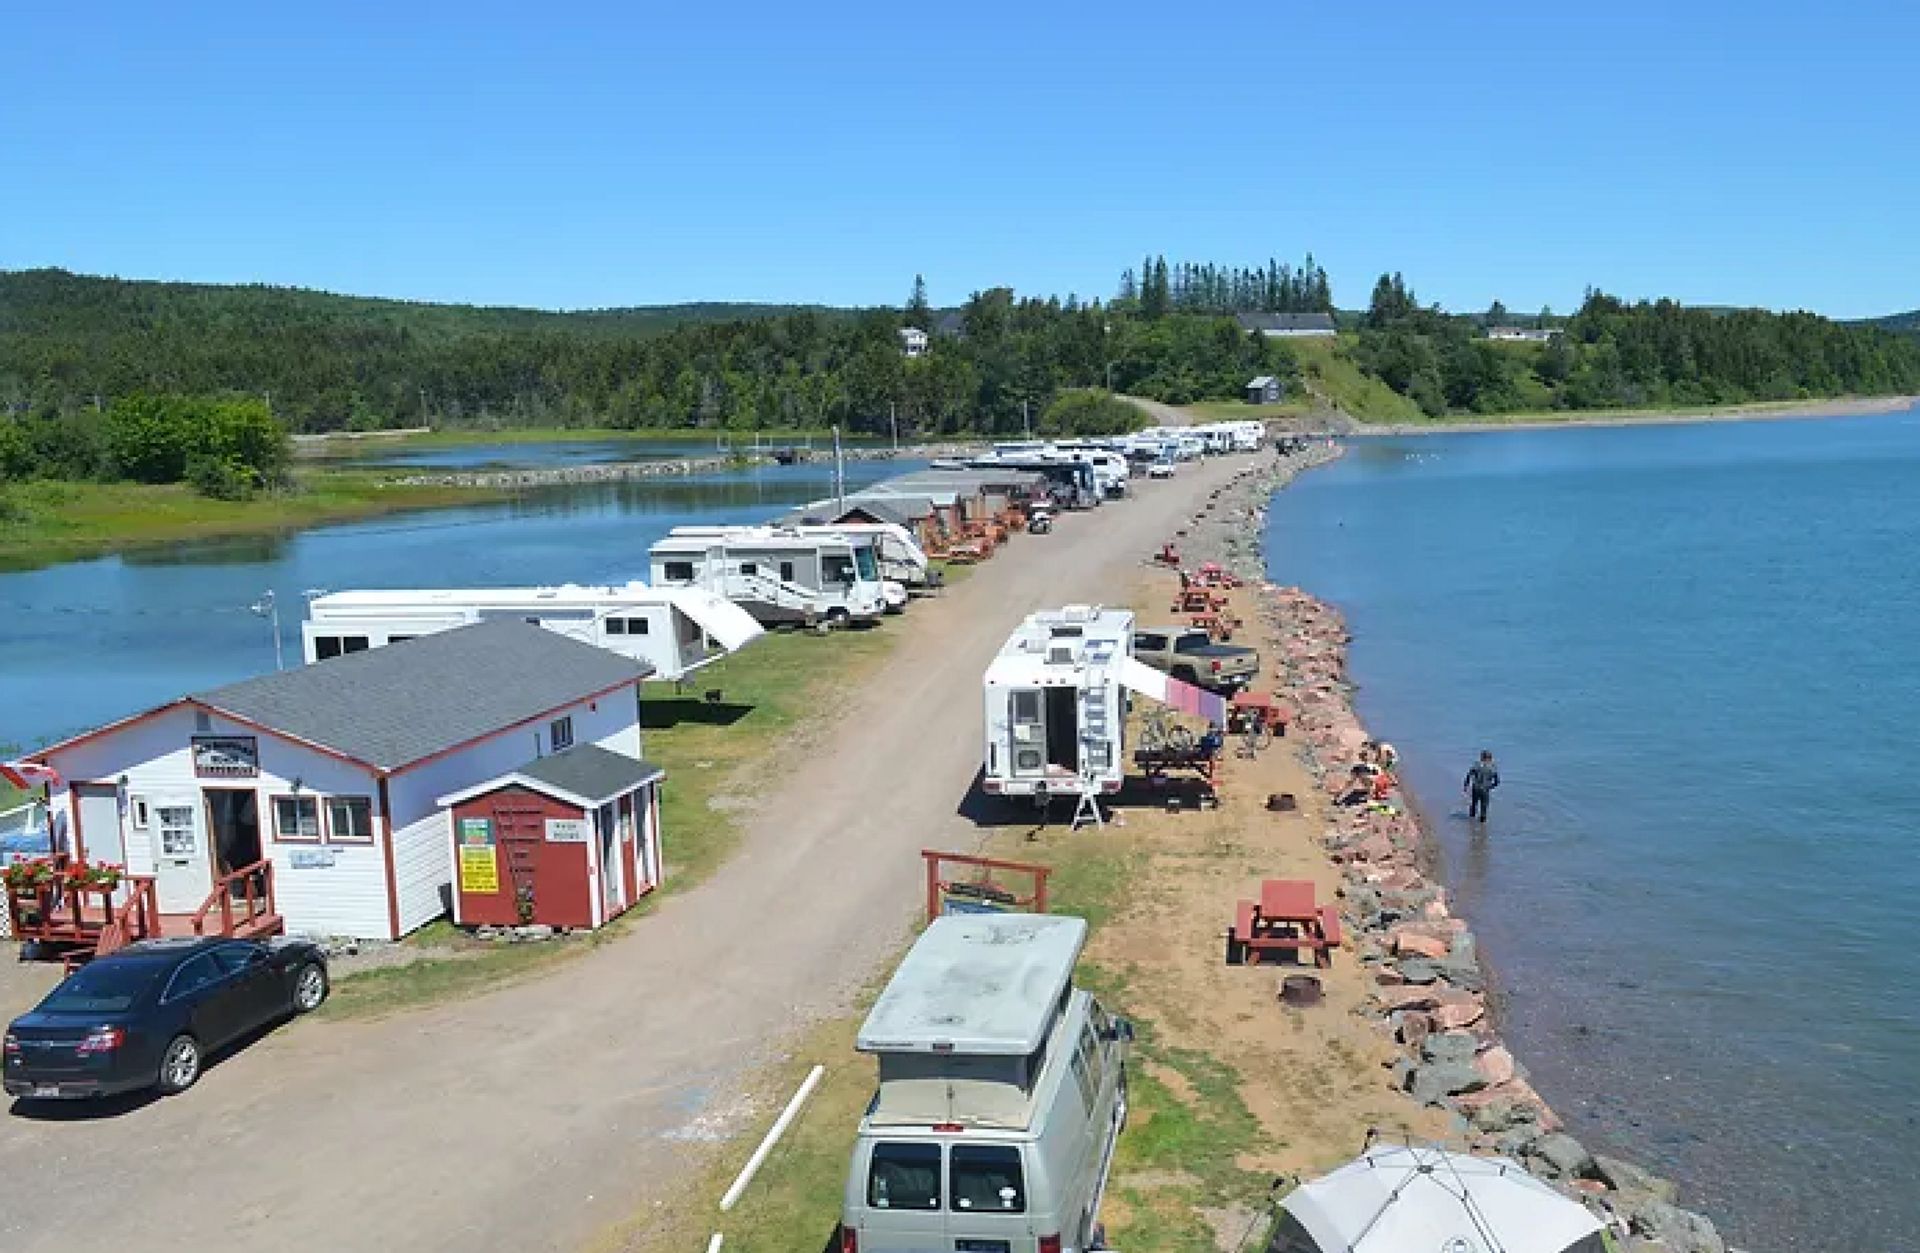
(713, 1245)
(774, 1133)
(839, 474)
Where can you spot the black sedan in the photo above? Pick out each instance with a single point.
(148, 1015)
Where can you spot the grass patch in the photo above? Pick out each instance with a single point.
(1343, 383)
(1241, 411)
(50, 521)
(717, 756)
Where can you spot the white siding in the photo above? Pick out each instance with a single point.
(156, 757)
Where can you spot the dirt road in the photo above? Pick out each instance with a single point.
(1161, 414)
(534, 1117)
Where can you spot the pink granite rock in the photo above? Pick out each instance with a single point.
(1452, 1017)
(1495, 1064)
(1407, 941)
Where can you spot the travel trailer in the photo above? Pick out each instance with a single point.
(1056, 703)
(778, 574)
(1002, 1095)
(676, 630)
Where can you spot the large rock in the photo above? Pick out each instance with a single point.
(1626, 1177)
(1450, 1048)
(1419, 970)
(1560, 1156)
(1683, 1231)
(1451, 1015)
(1495, 1065)
(1408, 942)
(1432, 1083)
(1408, 997)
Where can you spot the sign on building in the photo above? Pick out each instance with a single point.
(226, 756)
(479, 864)
(566, 831)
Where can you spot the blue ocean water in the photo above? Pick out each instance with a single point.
(1695, 651)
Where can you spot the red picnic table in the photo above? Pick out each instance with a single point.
(1255, 711)
(1286, 917)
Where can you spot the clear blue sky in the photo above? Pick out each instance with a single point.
(569, 155)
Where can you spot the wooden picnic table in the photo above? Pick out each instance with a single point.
(1287, 917)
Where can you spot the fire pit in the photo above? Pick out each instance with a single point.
(1300, 991)
(1282, 802)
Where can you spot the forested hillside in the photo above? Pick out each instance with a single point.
(326, 362)
(1617, 355)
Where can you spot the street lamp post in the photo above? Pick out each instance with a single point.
(266, 608)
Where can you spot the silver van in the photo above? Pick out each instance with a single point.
(1002, 1094)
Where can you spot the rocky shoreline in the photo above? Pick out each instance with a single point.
(1432, 997)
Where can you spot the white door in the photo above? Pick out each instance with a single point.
(100, 823)
(182, 867)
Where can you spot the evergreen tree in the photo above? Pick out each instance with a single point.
(919, 312)
(1497, 314)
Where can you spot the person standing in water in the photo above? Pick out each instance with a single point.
(1482, 778)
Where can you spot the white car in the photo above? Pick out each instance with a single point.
(1160, 470)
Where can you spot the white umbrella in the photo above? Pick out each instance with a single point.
(1402, 1199)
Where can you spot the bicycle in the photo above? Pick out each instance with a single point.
(1160, 733)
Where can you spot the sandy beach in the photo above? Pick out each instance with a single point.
(1846, 407)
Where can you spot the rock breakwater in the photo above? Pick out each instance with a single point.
(627, 471)
(1434, 997)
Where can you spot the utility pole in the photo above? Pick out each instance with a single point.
(1026, 425)
(839, 475)
(266, 608)
(895, 421)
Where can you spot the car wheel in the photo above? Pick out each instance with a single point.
(179, 1065)
(309, 988)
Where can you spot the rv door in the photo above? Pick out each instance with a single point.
(1027, 734)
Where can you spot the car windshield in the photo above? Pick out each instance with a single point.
(869, 569)
(102, 988)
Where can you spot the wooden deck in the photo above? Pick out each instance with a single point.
(77, 924)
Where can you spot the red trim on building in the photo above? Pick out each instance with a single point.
(386, 851)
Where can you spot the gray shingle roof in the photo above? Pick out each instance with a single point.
(395, 705)
(590, 772)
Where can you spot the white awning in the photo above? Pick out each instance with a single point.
(724, 622)
(1138, 676)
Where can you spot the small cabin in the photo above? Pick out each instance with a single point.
(1265, 390)
(913, 342)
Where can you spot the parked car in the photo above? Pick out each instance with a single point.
(1161, 469)
(1192, 657)
(149, 1015)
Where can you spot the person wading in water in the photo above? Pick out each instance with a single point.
(1479, 785)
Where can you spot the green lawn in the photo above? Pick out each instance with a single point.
(1325, 361)
(1241, 411)
(718, 755)
(44, 522)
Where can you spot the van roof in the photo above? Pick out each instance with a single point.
(977, 983)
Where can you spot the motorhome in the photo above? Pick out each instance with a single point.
(1056, 703)
(676, 630)
(1002, 1095)
(893, 591)
(778, 574)
(901, 558)
(1109, 464)
(1072, 477)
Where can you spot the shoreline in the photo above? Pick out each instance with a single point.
(1434, 999)
(1758, 411)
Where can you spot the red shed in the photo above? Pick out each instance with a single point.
(569, 840)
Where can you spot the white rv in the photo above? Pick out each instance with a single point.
(778, 574)
(1002, 1095)
(676, 630)
(1056, 703)
(902, 560)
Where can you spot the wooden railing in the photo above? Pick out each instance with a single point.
(252, 884)
(61, 912)
(138, 918)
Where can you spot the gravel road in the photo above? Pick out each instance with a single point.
(534, 1117)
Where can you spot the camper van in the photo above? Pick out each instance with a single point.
(1109, 464)
(1056, 698)
(1071, 477)
(778, 574)
(902, 560)
(675, 630)
(1002, 1094)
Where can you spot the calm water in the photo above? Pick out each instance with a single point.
(1696, 652)
(90, 641)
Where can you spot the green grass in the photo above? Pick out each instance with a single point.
(1345, 384)
(44, 522)
(717, 758)
(1550, 417)
(1240, 411)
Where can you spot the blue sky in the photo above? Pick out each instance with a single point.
(574, 155)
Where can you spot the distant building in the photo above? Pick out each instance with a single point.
(913, 341)
(1521, 335)
(1265, 390)
(952, 324)
(1288, 324)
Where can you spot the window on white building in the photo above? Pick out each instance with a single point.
(296, 818)
(349, 820)
(560, 733)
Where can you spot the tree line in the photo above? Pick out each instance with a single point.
(70, 346)
(1186, 287)
(1612, 354)
(224, 447)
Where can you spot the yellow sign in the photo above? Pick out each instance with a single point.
(479, 871)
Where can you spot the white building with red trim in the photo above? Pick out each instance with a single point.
(332, 774)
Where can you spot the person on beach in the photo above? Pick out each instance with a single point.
(1481, 779)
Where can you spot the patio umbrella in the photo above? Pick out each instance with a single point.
(1402, 1199)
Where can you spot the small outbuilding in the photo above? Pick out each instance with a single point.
(913, 341)
(571, 840)
(1265, 390)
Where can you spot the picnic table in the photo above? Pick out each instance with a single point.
(1255, 711)
(1287, 917)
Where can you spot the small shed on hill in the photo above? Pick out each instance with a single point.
(1265, 390)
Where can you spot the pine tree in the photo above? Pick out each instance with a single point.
(1129, 287)
(1497, 314)
(919, 312)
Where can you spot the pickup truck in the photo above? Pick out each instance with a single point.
(1191, 656)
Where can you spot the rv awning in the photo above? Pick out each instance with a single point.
(724, 622)
(1138, 676)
